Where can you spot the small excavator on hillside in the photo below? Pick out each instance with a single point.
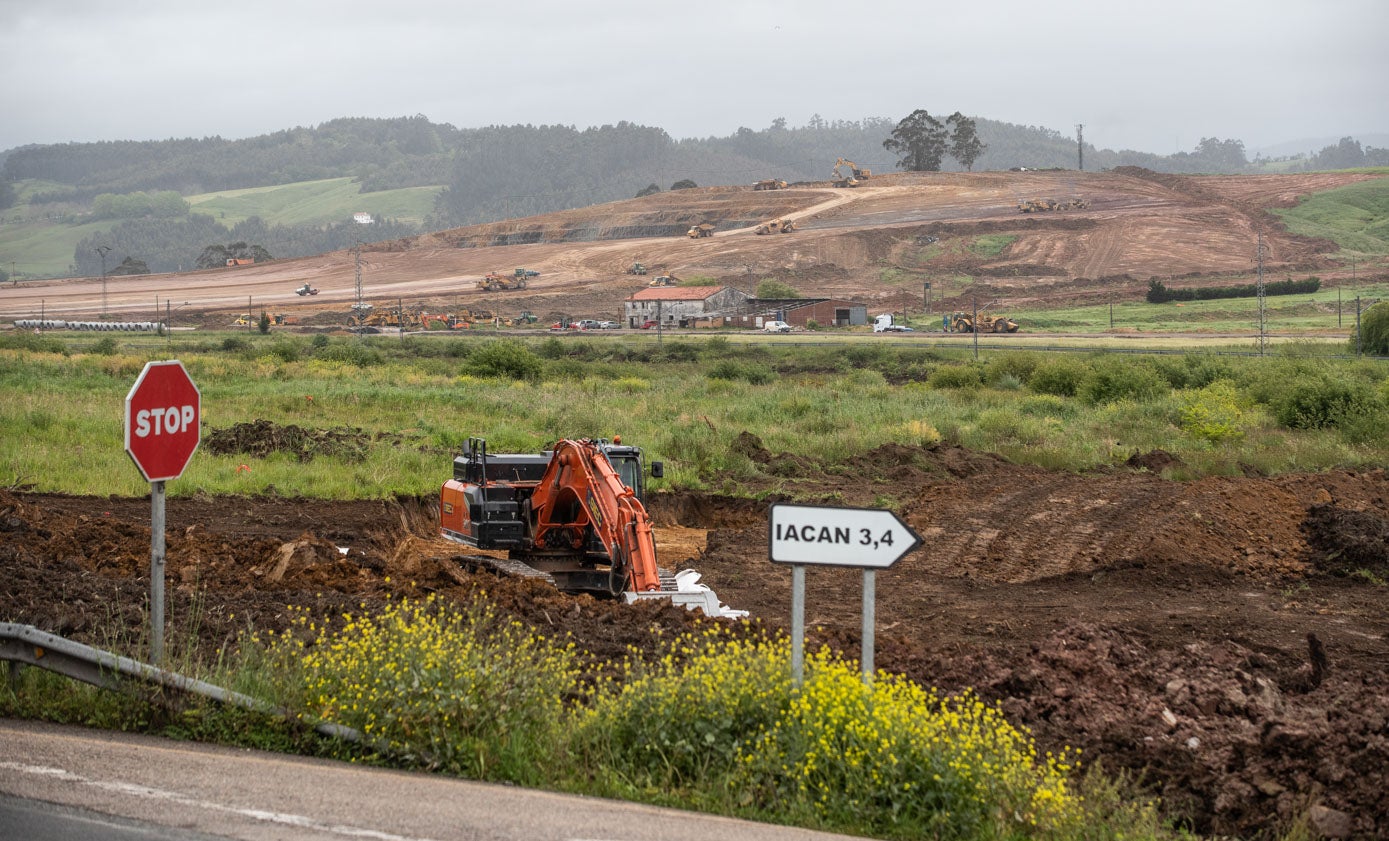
(573, 515)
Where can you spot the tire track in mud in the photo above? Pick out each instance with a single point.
(1018, 529)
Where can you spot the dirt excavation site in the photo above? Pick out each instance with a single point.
(876, 243)
(1205, 634)
(1224, 638)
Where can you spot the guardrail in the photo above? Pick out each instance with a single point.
(25, 645)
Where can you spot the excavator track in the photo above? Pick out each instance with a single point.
(503, 566)
(518, 569)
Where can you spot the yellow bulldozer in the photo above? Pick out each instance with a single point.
(963, 322)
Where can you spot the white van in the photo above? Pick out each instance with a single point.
(777, 327)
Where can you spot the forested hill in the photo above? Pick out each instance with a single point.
(510, 171)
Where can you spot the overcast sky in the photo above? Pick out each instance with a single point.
(1155, 77)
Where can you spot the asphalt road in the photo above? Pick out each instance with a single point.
(64, 782)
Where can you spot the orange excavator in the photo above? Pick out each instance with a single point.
(573, 514)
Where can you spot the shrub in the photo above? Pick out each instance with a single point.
(1113, 379)
(505, 358)
(956, 376)
(353, 353)
(105, 346)
(1319, 401)
(1193, 370)
(285, 351)
(730, 369)
(319, 342)
(235, 344)
(463, 691)
(1374, 331)
(1214, 413)
(1061, 376)
(1019, 366)
(552, 348)
(893, 759)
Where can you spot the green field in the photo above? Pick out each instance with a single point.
(40, 247)
(686, 400)
(315, 203)
(1355, 217)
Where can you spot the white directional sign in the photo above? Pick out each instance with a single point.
(845, 537)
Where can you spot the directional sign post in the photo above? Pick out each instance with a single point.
(163, 414)
(869, 538)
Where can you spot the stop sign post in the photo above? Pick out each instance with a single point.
(163, 414)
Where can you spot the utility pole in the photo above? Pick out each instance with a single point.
(102, 249)
(974, 327)
(1080, 147)
(1357, 326)
(1263, 312)
(357, 269)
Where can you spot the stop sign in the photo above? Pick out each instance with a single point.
(162, 414)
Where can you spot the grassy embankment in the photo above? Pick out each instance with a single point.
(686, 401)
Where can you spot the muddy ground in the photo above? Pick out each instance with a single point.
(1226, 637)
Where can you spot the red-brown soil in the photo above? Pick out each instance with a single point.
(1137, 225)
(1203, 632)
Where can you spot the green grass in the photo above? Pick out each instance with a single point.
(1355, 217)
(315, 203)
(410, 404)
(39, 247)
(1306, 314)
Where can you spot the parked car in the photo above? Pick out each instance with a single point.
(587, 324)
(777, 327)
(649, 325)
(608, 325)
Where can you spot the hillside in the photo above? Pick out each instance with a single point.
(873, 244)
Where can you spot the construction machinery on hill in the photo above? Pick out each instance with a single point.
(963, 322)
(637, 269)
(497, 282)
(306, 289)
(700, 231)
(776, 226)
(769, 184)
(664, 280)
(574, 514)
(1042, 205)
(852, 178)
(393, 318)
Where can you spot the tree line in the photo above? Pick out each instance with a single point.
(1160, 293)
